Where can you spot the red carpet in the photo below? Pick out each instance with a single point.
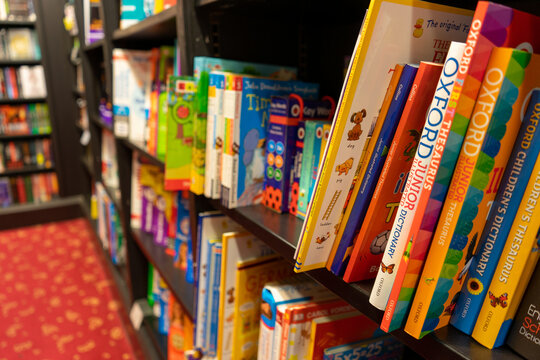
(57, 300)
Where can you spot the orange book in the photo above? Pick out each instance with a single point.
(373, 236)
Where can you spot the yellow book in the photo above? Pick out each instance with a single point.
(158, 6)
(379, 47)
(511, 276)
(251, 276)
(366, 155)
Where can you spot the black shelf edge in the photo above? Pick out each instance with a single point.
(34, 169)
(96, 45)
(141, 150)
(87, 165)
(19, 62)
(96, 120)
(173, 276)
(22, 101)
(10, 137)
(157, 27)
(17, 23)
(160, 341)
(282, 231)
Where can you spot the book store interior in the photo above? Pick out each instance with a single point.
(269, 179)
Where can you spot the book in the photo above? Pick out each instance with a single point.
(371, 169)
(136, 192)
(159, 134)
(431, 145)
(385, 347)
(180, 116)
(32, 80)
(523, 336)
(487, 145)
(131, 12)
(339, 329)
(500, 219)
(251, 276)
(237, 247)
(20, 44)
(246, 111)
(213, 305)
(360, 93)
(466, 88)
(5, 192)
(93, 23)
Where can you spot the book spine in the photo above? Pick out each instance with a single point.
(286, 325)
(214, 311)
(165, 71)
(121, 107)
(429, 151)
(211, 151)
(497, 228)
(199, 136)
(453, 192)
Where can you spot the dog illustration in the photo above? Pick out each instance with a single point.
(356, 131)
(345, 167)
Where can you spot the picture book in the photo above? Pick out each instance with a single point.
(486, 146)
(486, 33)
(514, 269)
(314, 131)
(20, 44)
(136, 192)
(297, 322)
(369, 174)
(211, 226)
(324, 111)
(159, 131)
(182, 91)
(431, 144)
(339, 329)
(237, 247)
(500, 219)
(131, 12)
(213, 305)
(147, 180)
(183, 255)
(251, 276)
(199, 135)
(246, 122)
(386, 347)
(179, 339)
(414, 116)
(362, 95)
(523, 336)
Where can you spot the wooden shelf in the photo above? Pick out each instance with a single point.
(282, 231)
(33, 169)
(22, 101)
(159, 28)
(173, 276)
(19, 62)
(10, 137)
(17, 23)
(141, 150)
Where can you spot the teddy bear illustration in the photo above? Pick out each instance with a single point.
(345, 167)
(356, 131)
(418, 31)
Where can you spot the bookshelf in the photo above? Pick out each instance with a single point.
(281, 32)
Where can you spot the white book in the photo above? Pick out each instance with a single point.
(32, 79)
(400, 233)
(136, 192)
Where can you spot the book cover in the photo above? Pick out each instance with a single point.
(383, 348)
(487, 145)
(428, 154)
(136, 192)
(5, 192)
(20, 44)
(165, 67)
(251, 276)
(339, 329)
(246, 122)
(360, 95)
(369, 174)
(500, 219)
(418, 104)
(199, 135)
(183, 258)
(486, 33)
(213, 305)
(150, 130)
(180, 117)
(131, 12)
(237, 247)
(523, 336)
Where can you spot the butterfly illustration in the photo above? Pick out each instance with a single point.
(387, 269)
(501, 300)
(449, 310)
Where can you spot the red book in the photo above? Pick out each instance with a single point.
(20, 189)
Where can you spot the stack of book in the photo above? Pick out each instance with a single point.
(21, 154)
(109, 226)
(17, 10)
(25, 119)
(19, 44)
(133, 11)
(22, 82)
(34, 189)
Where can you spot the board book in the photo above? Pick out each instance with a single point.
(378, 49)
(382, 348)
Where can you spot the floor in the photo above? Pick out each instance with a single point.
(57, 298)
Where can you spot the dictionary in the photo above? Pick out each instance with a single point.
(524, 335)
(497, 228)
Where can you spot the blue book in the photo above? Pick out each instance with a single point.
(183, 253)
(374, 167)
(503, 211)
(208, 280)
(131, 12)
(112, 233)
(215, 268)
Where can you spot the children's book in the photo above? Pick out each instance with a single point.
(486, 33)
(382, 348)
(514, 269)
(428, 154)
(182, 91)
(487, 144)
(362, 95)
(500, 219)
(131, 12)
(136, 192)
(246, 111)
(237, 247)
(183, 258)
(213, 305)
(211, 226)
(158, 134)
(338, 329)
(523, 336)
(251, 276)
(363, 191)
